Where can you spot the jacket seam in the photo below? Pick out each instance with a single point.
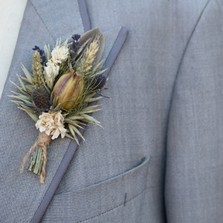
(173, 92)
(182, 59)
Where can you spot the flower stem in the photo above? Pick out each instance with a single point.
(36, 161)
(38, 157)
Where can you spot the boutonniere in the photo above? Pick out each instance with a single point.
(59, 93)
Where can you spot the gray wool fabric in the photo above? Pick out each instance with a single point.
(159, 156)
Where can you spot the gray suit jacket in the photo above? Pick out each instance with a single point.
(159, 156)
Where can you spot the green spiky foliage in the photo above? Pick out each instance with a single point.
(22, 98)
(86, 61)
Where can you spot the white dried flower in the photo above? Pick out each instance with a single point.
(60, 54)
(51, 71)
(51, 124)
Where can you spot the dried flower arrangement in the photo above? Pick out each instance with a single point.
(59, 92)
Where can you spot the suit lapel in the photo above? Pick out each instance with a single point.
(22, 193)
(61, 18)
(44, 21)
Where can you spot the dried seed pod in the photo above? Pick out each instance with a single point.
(68, 90)
(41, 98)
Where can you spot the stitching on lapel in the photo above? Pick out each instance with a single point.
(115, 50)
(42, 21)
(84, 14)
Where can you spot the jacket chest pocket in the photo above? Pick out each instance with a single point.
(118, 196)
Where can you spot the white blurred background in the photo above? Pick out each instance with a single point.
(11, 14)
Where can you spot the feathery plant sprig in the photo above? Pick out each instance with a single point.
(37, 68)
(86, 62)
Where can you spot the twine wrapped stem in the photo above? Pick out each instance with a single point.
(38, 159)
